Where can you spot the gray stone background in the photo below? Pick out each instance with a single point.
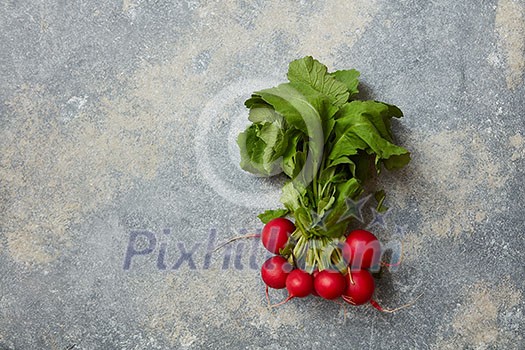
(121, 116)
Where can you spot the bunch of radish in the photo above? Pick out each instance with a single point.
(355, 285)
(315, 130)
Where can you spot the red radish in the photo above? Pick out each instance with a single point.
(360, 287)
(362, 250)
(299, 285)
(274, 272)
(275, 234)
(329, 284)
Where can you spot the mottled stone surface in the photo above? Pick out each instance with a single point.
(120, 117)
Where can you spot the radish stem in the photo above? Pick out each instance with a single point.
(350, 275)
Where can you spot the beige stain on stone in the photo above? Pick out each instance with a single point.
(413, 246)
(517, 144)
(510, 28)
(127, 5)
(130, 8)
(455, 180)
(56, 172)
(188, 293)
(454, 167)
(475, 324)
(221, 31)
(342, 23)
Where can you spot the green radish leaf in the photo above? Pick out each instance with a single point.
(305, 110)
(397, 161)
(289, 163)
(356, 122)
(326, 175)
(310, 71)
(262, 145)
(350, 189)
(347, 144)
(254, 100)
(371, 110)
(324, 205)
(344, 160)
(272, 214)
(380, 198)
(350, 78)
(252, 150)
(378, 113)
(291, 197)
(261, 113)
(300, 105)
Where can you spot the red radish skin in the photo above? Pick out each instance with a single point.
(362, 250)
(329, 284)
(275, 234)
(274, 272)
(360, 287)
(299, 285)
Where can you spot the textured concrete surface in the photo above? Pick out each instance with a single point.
(120, 117)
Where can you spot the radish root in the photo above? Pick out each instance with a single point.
(254, 235)
(349, 300)
(380, 308)
(282, 302)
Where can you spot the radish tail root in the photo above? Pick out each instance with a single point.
(255, 235)
(268, 298)
(380, 308)
(349, 300)
(282, 302)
